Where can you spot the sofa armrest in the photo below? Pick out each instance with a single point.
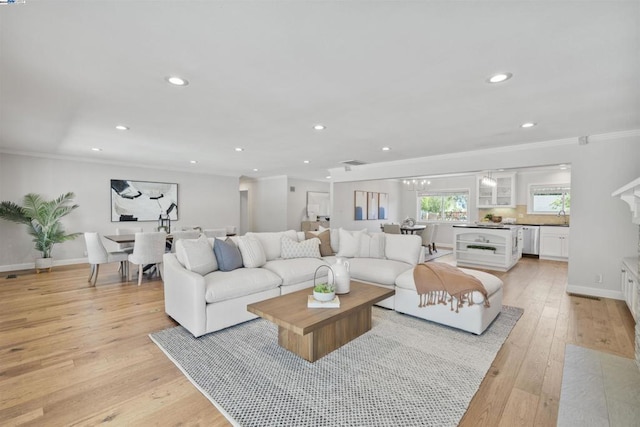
(184, 296)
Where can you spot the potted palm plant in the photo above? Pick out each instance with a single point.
(42, 219)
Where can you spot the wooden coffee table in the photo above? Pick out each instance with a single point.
(312, 333)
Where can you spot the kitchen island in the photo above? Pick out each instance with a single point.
(491, 246)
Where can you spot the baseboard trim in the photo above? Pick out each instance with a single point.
(32, 265)
(595, 292)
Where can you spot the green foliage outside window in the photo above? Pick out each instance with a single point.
(443, 207)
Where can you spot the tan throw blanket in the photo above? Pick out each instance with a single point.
(435, 280)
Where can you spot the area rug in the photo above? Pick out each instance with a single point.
(440, 253)
(404, 371)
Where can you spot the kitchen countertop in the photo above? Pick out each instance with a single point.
(495, 226)
(547, 225)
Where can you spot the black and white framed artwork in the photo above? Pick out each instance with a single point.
(143, 200)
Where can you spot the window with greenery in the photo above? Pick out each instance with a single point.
(549, 199)
(443, 206)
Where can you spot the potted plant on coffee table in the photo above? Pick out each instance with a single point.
(42, 219)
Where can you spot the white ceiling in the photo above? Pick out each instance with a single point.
(405, 74)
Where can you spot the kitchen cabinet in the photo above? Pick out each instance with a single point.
(502, 195)
(502, 246)
(554, 243)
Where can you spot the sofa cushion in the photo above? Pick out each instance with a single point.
(196, 255)
(224, 285)
(335, 237)
(382, 271)
(325, 241)
(491, 283)
(372, 245)
(271, 242)
(253, 255)
(227, 254)
(305, 249)
(349, 243)
(296, 270)
(403, 247)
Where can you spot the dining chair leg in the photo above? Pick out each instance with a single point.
(95, 277)
(434, 247)
(139, 275)
(93, 270)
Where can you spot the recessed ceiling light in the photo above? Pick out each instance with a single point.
(563, 167)
(328, 177)
(527, 125)
(306, 162)
(96, 149)
(386, 148)
(122, 127)
(255, 169)
(238, 149)
(193, 162)
(319, 127)
(177, 81)
(499, 78)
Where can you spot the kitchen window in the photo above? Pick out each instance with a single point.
(443, 206)
(549, 199)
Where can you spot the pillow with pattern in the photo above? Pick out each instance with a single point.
(306, 249)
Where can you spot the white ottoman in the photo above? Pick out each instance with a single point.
(475, 318)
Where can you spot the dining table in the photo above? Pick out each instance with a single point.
(411, 229)
(128, 238)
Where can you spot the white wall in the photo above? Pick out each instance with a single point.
(267, 203)
(526, 178)
(297, 200)
(203, 200)
(601, 229)
(343, 200)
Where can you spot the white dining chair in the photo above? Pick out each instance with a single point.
(428, 235)
(97, 254)
(177, 235)
(148, 249)
(215, 232)
(127, 247)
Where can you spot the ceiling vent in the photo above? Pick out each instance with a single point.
(353, 162)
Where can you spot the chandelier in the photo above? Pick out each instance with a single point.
(488, 180)
(415, 184)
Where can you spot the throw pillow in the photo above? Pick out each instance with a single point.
(325, 241)
(335, 237)
(196, 255)
(372, 245)
(227, 254)
(253, 255)
(349, 243)
(305, 249)
(271, 241)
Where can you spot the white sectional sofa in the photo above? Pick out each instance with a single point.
(204, 299)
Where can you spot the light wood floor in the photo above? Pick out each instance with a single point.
(71, 354)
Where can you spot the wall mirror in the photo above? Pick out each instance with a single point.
(318, 204)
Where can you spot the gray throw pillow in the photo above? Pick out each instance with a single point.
(227, 254)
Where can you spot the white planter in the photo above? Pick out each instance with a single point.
(43, 264)
(322, 296)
